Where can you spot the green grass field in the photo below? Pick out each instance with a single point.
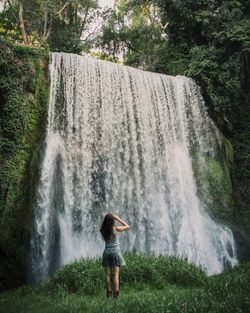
(147, 284)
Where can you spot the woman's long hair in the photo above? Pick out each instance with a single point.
(107, 226)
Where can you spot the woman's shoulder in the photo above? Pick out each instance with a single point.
(114, 230)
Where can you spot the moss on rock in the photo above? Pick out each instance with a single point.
(24, 94)
(214, 184)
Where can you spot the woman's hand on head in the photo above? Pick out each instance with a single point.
(125, 225)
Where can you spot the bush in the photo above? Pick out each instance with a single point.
(83, 275)
(87, 275)
(224, 293)
(161, 269)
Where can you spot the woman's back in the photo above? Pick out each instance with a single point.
(113, 239)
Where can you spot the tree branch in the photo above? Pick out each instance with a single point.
(47, 30)
(91, 33)
(63, 8)
(45, 22)
(84, 22)
(131, 47)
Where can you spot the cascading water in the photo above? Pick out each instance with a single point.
(119, 140)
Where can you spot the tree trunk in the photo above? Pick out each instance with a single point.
(47, 25)
(21, 20)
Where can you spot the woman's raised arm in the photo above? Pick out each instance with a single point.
(121, 228)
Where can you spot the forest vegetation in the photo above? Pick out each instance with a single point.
(204, 39)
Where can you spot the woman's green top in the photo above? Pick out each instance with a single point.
(112, 246)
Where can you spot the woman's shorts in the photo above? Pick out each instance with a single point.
(112, 257)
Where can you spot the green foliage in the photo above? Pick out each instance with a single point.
(216, 35)
(159, 270)
(134, 32)
(72, 30)
(224, 293)
(213, 177)
(231, 287)
(9, 23)
(79, 276)
(83, 276)
(63, 25)
(24, 99)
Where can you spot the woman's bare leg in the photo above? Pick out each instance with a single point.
(116, 278)
(108, 278)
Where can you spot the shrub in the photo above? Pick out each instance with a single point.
(87, 275)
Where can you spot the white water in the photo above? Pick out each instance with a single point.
(118, 140)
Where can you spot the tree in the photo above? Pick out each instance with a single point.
(74, 28)
(134, 32)
(64, 25)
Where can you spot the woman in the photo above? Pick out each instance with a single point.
(112, 257)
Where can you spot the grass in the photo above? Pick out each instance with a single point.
(147, 284)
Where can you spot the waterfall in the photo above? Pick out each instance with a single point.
(121, 140)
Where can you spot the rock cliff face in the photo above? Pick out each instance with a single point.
(23, 110)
